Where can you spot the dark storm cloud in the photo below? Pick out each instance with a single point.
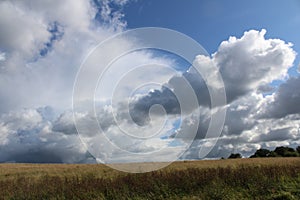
(168, 97)
(27, 136)
(286, 100)
(276, 135)
(139, 110)
(64, 124)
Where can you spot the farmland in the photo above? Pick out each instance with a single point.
(256, 178)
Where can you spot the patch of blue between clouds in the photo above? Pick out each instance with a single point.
(98, 4)
(57, 33)
(176, 125)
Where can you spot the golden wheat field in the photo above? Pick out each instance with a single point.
(257, 178)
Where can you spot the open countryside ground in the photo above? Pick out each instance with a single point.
(257, 178)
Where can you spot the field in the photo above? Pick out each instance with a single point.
(257, 178)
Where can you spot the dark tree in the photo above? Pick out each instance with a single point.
(261, 153)
(235, 155)
(273, 154)
(285, 151)
(298, 149)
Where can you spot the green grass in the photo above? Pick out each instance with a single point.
(269, 178)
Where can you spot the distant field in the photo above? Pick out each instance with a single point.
(264, 178)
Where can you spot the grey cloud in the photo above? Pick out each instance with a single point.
(65, 124)
(276, 135)
(179, 86)
(196, 82)
(240, 115)
(265, 89)
(139, 110)
(286, 100)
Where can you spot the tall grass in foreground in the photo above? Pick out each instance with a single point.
(239, 182)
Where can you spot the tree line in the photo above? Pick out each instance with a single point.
(277, 152)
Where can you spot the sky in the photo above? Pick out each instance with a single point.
(78, 85)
